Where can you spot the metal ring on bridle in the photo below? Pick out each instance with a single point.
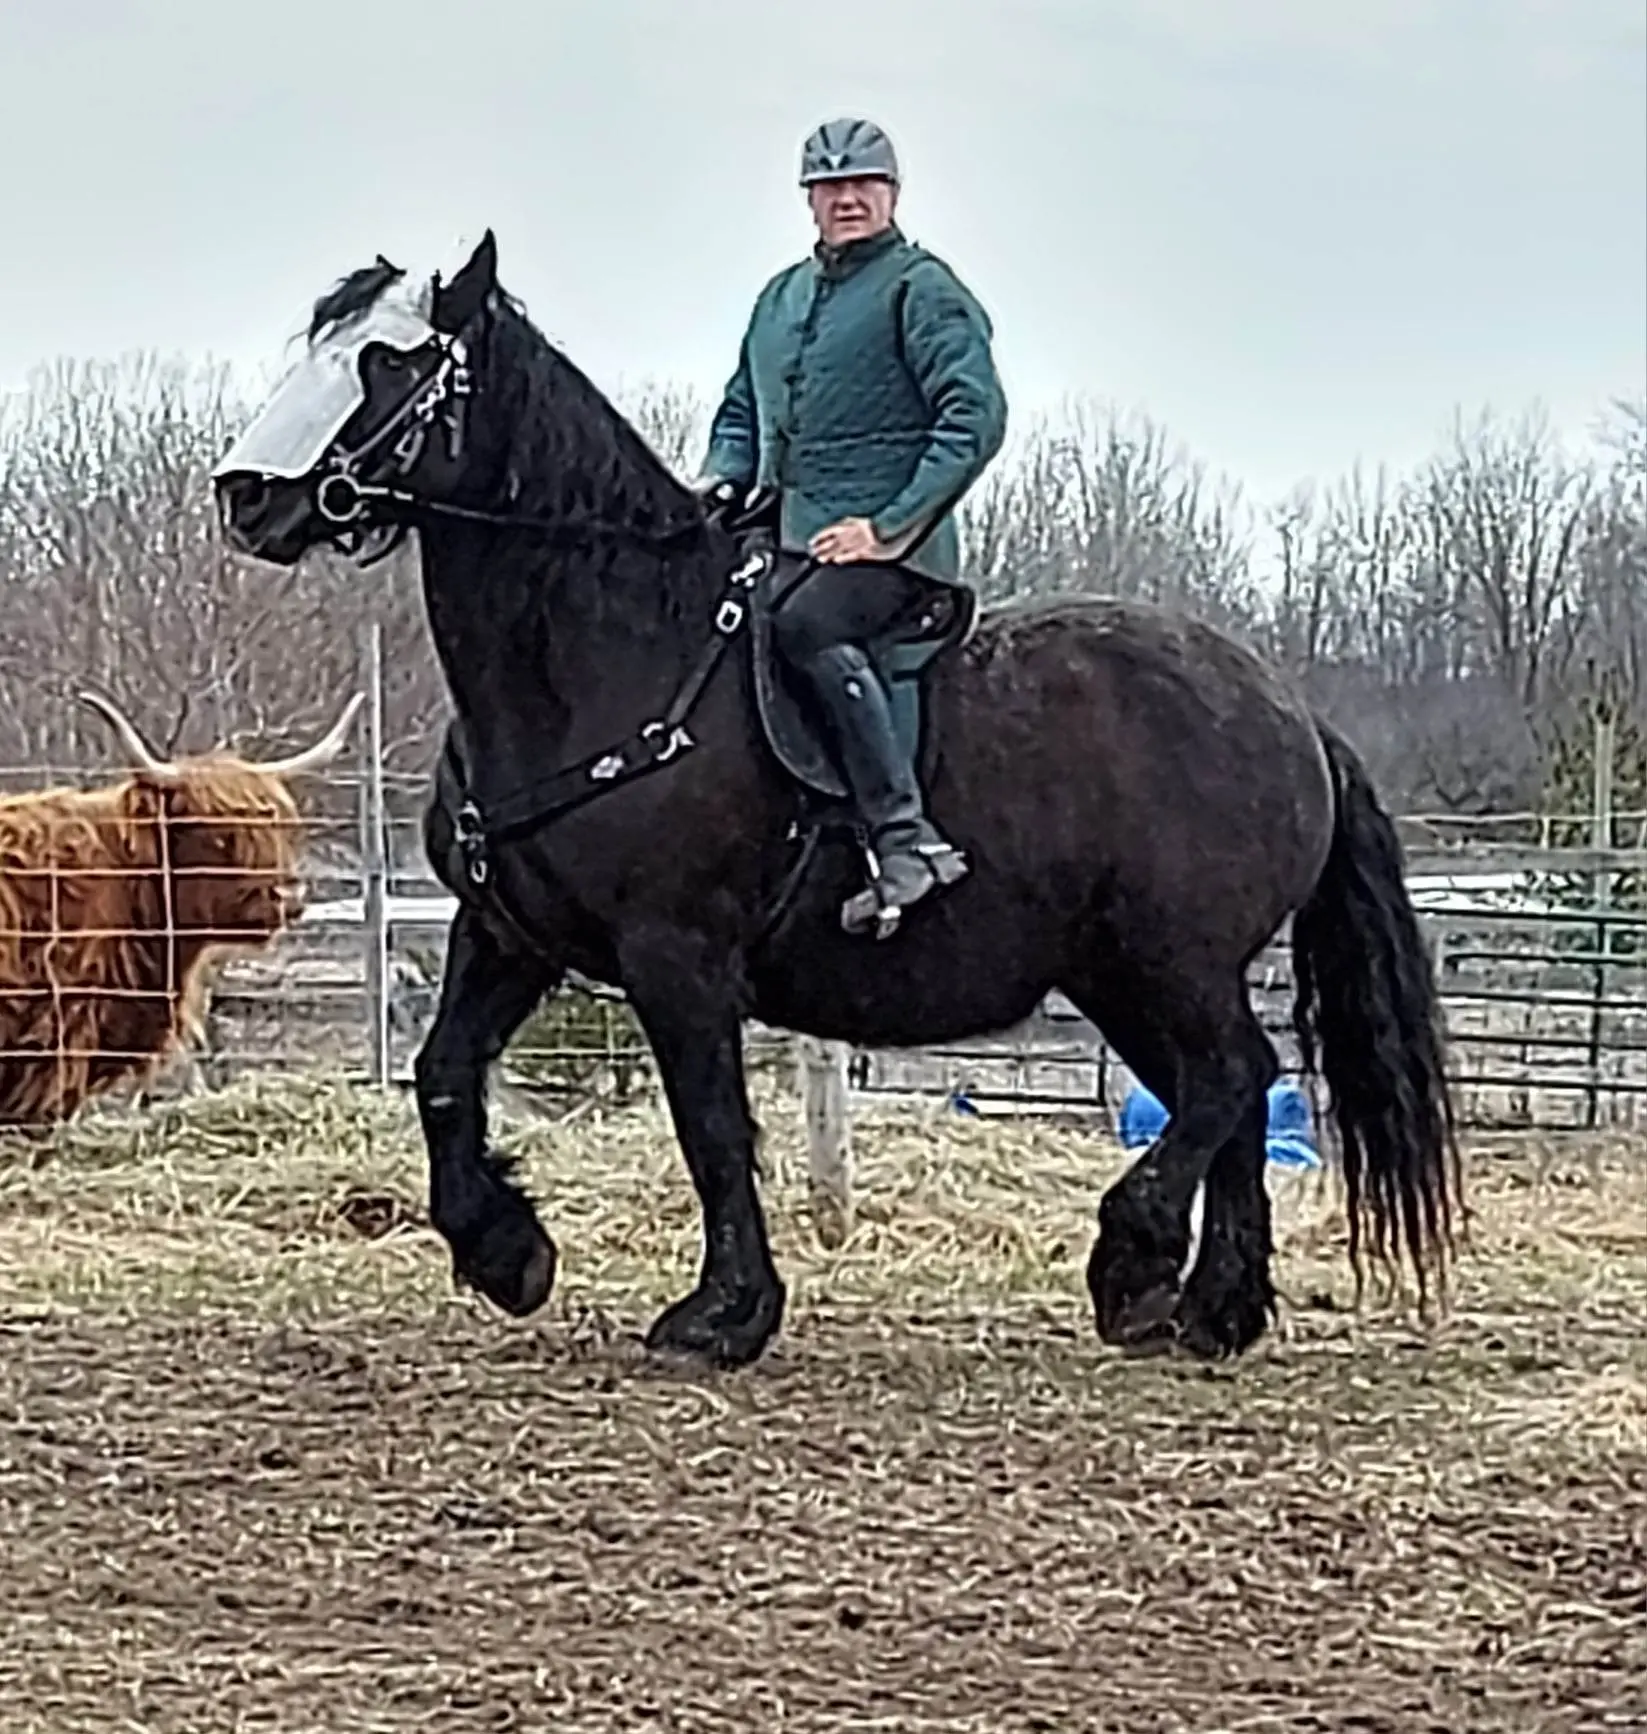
(353, 502)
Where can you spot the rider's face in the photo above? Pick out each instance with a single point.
(852, 210)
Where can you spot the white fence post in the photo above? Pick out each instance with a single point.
(823, 1069)
(375, 868)
(1604, 746)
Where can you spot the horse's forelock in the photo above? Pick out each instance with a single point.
(352, 294)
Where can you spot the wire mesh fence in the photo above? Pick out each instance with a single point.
(1536, 921)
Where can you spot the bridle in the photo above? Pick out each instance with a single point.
(439, 398)
(343, 496)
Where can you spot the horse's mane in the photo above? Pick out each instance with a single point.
(575, 459)
(595, 466)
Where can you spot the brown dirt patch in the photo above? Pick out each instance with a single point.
(261, 1469)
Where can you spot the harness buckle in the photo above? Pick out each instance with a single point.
(471, 842)
(679, 740)
(732, 613)
(409, 447)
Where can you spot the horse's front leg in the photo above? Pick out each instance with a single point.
(487, 993)
(684, 995)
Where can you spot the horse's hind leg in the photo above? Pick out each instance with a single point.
(1229, 1295)
(1210, 1064)
(486, 994)
(685, 992)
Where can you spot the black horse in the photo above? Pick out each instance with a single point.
(1143, 803)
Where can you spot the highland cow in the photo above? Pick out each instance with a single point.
(117, 902)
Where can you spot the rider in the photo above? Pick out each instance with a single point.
(866, 396)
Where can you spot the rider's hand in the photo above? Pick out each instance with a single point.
(704, 486)
(851, 539)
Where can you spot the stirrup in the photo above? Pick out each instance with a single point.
(879, 908)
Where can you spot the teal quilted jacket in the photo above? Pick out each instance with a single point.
(865, 388)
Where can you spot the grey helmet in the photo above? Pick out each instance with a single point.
(841, 149)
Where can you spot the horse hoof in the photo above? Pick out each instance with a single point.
(723, 1330)
(1219, 1328)
(513, 1267)
(1147, 1323)
(1134, 1300)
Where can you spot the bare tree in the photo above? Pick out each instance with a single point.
(1612, 558)
(118, 578)
(674, 421)
(1454, 620)
(1092, 502)
(1508, 511)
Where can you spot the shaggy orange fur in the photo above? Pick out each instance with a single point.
(114, 905)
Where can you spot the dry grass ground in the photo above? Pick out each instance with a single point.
(260, 1467)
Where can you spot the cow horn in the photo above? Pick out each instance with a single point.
(323, 752)
(137, 750)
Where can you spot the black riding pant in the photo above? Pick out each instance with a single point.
(842, 605)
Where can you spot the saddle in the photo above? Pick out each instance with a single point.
(941, 614)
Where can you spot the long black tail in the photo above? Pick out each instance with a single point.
(1367, 999)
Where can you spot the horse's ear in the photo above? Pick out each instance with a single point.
(457, 302)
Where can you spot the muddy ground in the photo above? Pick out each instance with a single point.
(260, 1467)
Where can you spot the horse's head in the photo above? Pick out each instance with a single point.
(377, 411)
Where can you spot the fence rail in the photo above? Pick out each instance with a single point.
(1541, 952)
(1546, 1009)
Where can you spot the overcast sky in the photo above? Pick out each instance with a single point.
(1297, 232)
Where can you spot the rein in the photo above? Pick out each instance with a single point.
(343, 497)
(566, 532)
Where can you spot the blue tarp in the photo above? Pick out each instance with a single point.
(1291, 1139)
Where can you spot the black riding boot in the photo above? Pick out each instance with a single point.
(909, 856)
